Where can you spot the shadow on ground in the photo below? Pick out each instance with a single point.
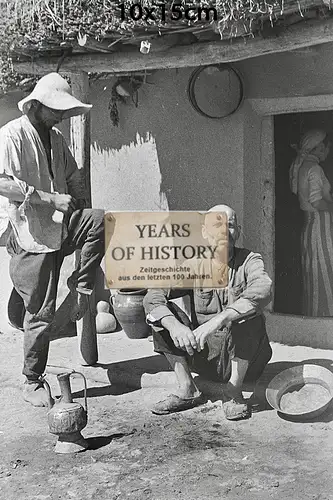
(131, 371)
(106, 390)
(126, 376)
(95, 443)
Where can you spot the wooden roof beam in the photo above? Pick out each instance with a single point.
(305, 34)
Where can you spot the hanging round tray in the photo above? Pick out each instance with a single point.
(215, 91)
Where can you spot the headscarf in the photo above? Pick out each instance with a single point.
(309, 141)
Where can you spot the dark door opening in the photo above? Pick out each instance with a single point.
(288, 129)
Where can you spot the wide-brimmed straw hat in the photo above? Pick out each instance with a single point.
(54, 92)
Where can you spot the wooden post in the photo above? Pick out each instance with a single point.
(80, 144)
(80, 131)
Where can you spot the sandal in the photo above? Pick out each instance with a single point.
(173, 404)
(35, 394)
(236, 409)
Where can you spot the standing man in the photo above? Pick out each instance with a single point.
(218, 343)
(42, 196)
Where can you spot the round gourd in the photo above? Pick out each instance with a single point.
(103, 306)
(105, 323)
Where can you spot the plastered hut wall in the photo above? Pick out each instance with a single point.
(164, 155)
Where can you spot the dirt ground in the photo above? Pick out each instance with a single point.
(194, 455)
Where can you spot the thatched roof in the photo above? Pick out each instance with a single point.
(41, 26)
(35, 29)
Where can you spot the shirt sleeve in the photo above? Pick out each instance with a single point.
(10, 155)
(257, 292)
(315, 185)
(156, 307)
(11, 162)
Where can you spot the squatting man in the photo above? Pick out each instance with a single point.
(218, 343)
(41, 195)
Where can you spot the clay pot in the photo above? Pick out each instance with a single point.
(105, 321)
(129, 311)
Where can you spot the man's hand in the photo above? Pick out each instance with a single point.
(181, 334)
(206, 330)
(210, 327)
(65, 203)
(184, 338)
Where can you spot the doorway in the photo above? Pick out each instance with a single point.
(288, 129)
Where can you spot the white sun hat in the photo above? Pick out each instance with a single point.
(54, 92)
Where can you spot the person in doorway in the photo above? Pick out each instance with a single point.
(43, 199)
(309, 182)
(226, 339)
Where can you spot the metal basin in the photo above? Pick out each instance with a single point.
(284, 388)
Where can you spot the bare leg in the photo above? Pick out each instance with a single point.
(186, 385)
(188, 395)
(238, 371)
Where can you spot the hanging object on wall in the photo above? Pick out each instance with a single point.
(145, 47)
(215, 91)
(124, 88)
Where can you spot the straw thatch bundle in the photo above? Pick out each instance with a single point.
(25, 22)
(29, 28)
